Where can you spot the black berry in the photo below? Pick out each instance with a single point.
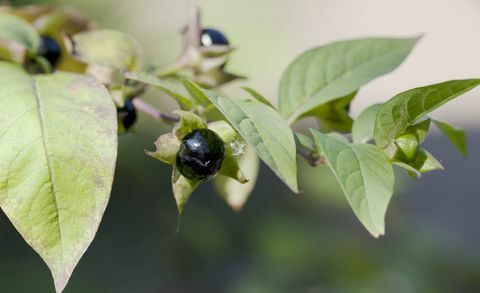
(50, 50)
(201, 154)
(212, 37)
(127, 115)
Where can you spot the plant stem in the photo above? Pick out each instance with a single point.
(312, 160)
(153, 112)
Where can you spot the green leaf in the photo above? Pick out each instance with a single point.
(332, 71)
(262, 127)
(165, 87)
(333, 116)
(58, 146)
(455, 135)
(108, 48)
(257, 96)
(17, 38)
(407, 108)
(365, 176)
(235, 193)
(305, 142)
(362, 130)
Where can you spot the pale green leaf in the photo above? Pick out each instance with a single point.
(365, 176)
(58, 146)
(455, 135)
(234, 192)
(262, 127)
(305, 141)
(108, 48)
(164, 86)
(407, 108)
(257, 96)
(334, 115)
(332, 71)
(362, 130)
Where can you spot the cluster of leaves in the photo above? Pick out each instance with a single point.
(59, 123)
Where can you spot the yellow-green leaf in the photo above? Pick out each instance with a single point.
(58, 146)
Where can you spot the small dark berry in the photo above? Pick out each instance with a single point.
(127, 114)
(212, 37)
(201, 155)
(50, 50)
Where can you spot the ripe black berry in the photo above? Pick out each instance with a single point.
(212, 37)
(127, 115)
(50, 50)
(201, 154)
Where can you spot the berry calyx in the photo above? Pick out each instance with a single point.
(201, 155)
(212, 37)
(50, 50)
(127, 115)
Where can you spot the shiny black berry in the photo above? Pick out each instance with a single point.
(201, 154)
(212, 37)
(127, 115)
(50, 50)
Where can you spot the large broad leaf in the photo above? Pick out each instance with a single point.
(17, 38)
(407, 108)
(262, 127)
(336, 70)
(365, 175)
(108, 48)
(58, 146)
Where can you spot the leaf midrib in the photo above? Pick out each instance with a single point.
(41, 119)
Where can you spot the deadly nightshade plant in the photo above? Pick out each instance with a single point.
(69, 88)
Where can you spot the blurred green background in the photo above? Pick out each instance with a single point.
(283, 242)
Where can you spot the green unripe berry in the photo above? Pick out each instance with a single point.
(407, 147)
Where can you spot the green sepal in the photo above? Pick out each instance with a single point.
(167, 145)
(182, 188)
(188, 122)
